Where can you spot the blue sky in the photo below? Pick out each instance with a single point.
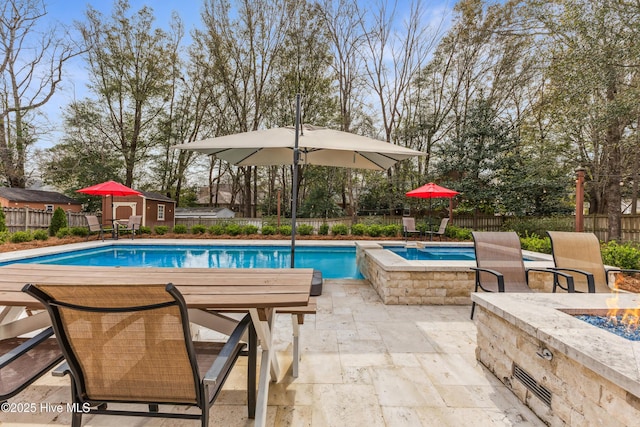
(68, 11)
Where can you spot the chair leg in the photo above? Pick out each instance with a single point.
(252, 364)
(473, 308)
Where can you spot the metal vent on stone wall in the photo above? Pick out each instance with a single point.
(532, 385)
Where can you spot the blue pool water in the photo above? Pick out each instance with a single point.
(435, 253)
(334, 262)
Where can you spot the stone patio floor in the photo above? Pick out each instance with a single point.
(363, 364)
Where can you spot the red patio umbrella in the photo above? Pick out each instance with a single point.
(109, 188)
(430, 191)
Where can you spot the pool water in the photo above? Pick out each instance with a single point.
(434, 253)
(334, 262)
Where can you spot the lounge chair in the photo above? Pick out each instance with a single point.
(500, 267)
(24, 360)
(441, 230)
(409, 227)
(132, 344)
(580, 253)
(95, 226)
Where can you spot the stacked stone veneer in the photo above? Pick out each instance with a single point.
(400, 282)
(580, 397)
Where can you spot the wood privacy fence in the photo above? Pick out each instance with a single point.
(21, 219)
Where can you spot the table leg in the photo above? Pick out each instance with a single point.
(268, 361)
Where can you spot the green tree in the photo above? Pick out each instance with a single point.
(58, 221)
(131, 67)
(476, 159)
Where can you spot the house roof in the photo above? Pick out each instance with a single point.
(35, 196)
(156, 196)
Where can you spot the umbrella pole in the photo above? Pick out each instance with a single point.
(294, 187)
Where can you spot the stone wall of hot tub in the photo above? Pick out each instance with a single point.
(399, 281)
(578, 396)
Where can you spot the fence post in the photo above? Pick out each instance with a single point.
(26, 217)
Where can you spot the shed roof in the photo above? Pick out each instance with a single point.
(35, 196)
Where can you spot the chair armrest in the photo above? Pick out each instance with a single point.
(225, 358)
(621, 270)
(497, 274)
(30, 344)
(61, 370)
(591, 284)
(569, 278)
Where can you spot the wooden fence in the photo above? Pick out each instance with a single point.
(21, 219)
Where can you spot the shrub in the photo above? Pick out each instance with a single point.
(528, 226)
(145, 229)
(268, 230)
(198, 229)
(21, 236)
(536, 243)
(374, 230)
(79, 231)
(391, 230)
(458, 233)
(180, 229)
(63, 232)
(161, 229)
(358, 229)
(3, 221)
(249, 229)
(305, 229)
(216, 230)
(232, 229)
(323, 230)
(58, 221)
(5, 235)
(44, 234)
(623, 256)
(340, 230)
(284, 230)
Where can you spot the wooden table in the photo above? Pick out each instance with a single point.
(258, 291)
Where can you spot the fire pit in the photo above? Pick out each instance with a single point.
(566, 370)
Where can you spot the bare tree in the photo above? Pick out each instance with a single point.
(32, 59)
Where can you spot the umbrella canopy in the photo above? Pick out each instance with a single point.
(430, 191)
(317, 146)
(109, 188)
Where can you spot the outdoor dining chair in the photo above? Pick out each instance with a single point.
(500, 266)
(580, 255)
(24, 360)
(409, 227)
(95, 226)
(132, 344)
(440, 231)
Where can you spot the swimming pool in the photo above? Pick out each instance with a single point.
(435, 253)
(335, 262)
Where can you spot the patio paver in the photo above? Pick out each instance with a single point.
(363, 364)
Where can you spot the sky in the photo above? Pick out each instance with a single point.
(68, 11)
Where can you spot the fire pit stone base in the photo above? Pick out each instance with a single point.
(567, 371)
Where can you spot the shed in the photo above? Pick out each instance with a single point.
(37, 199)
(155, 208)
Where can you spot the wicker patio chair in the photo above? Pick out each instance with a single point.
(441, 230)
(132, 344)
(500, 267)
(409, 227)
(580, 253)
(24, 360)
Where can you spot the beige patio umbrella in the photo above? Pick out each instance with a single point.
(317, 146)
(307, 145)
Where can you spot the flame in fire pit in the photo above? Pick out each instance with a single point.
(629, 317)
